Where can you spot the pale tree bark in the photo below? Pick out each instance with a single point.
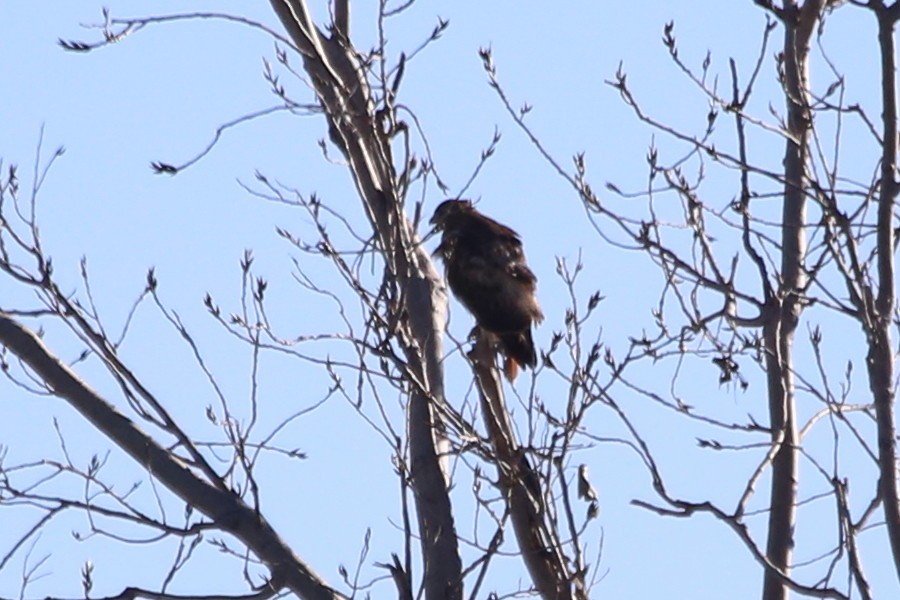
(355, 128)
(783, 310)
(880, 359)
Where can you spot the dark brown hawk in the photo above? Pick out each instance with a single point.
(487, 272)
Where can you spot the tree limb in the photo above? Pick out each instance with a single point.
(540, 545)
(223, 507)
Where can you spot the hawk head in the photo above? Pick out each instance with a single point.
(449, 217)
(449, 212)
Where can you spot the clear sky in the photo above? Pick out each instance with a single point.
(160, 95)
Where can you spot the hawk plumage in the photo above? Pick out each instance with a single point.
(487, 272)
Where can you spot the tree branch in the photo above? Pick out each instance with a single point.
(223, 507)
(540, 545)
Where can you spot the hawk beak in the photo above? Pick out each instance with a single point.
(430, 234)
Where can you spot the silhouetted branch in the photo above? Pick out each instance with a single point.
(520, 484)
(222, 506)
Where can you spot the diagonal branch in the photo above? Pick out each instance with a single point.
(223, 507)
(539, 543)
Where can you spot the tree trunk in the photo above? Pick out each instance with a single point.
(880, 359)
(345, 95)
(783, 312)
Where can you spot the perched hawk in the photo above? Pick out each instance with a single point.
(487, 272)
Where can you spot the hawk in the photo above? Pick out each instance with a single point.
(487, 272)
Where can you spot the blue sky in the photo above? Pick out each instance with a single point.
(159, 96)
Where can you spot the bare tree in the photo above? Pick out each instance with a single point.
(396, 343)
(803, 239)
(825, 251)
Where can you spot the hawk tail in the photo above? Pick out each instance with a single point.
(519, 350)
